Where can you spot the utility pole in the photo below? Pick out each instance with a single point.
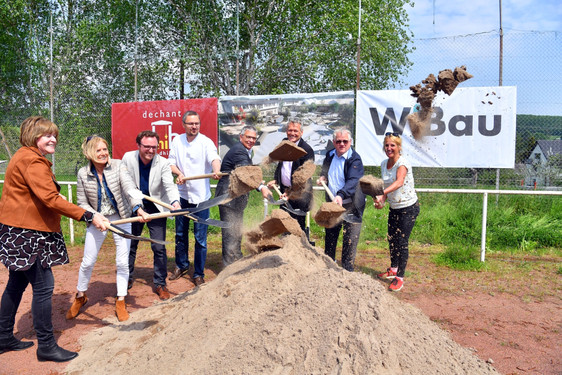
(359, 49)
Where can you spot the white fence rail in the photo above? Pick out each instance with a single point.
(484, 193)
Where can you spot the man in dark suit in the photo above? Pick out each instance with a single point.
(341, 171)
(233, 212)
(283, 175)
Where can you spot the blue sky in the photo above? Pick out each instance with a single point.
(475, 16)
(532, 46)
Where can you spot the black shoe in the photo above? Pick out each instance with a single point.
(15, 345)
(177, 273)
(55, 354)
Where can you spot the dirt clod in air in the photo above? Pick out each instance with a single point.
(329, 214)
(447, 81)
(244, 179)
(371, 185)
(301, 177)
(264, 237)
(287, 151)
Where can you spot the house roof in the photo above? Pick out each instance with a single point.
(550, 147)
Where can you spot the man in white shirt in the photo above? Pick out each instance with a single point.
(192, 154)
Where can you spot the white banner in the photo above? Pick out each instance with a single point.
(472, 128)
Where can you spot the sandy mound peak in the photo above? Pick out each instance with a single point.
(288, 311)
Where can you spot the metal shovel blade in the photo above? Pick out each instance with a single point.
(352, 219)
(270, 200)
(204, 205)
(213, 222)
(292, 210)
(131, 236)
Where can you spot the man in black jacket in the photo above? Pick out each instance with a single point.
(341, 171)
(233, 212)
(283, 175)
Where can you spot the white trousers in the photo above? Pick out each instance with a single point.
(92, 245)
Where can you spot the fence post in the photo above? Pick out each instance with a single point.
(484, 219)
(70, 221)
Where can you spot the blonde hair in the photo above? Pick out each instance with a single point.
(90, 144)
(393, 138)
(34, 127)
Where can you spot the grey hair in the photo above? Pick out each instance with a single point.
(190, 113)
(248, 127)
(295, 121)
(343, 131)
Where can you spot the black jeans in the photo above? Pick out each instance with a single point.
(157, 230)
(400, 224)
(42, 283)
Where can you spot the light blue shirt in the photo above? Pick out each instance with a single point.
(336, 176)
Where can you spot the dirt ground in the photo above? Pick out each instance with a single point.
(512, 322)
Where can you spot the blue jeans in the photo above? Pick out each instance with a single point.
(43, 283)
(182, 240)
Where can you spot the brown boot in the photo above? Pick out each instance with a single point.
(121, 310)
(76, 305)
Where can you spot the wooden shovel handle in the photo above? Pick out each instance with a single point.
(157, 201)
(208, 175)
(277, 190)
(327, 190)
(152, 216)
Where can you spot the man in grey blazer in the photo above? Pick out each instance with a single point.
(152, 175)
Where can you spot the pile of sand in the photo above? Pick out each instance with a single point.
(288, 311)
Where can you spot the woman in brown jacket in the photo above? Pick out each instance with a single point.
(31, 241)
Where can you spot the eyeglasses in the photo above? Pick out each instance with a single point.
(392, 134)
(344, 141)
(250, 137)
(149, 147)
(192, 123)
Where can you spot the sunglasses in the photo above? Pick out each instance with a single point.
(392, 134)
(344, 141)
(90, 137)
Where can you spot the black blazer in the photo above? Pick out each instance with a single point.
(304, 203)
(237, 156)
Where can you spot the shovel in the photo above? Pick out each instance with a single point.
(288, 207)
(208, 175)
(125, 234)
(348, 217)
(189, 212)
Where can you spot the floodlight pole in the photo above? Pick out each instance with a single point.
(500, 83)
(237, 50)
(359, 49)
(136, 49)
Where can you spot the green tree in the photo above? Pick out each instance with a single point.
(289, 46)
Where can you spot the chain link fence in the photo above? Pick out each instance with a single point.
(531, 62)
(81, 104)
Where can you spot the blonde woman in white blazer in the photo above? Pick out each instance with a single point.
(103, 187)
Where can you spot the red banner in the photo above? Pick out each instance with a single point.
(163, 117)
